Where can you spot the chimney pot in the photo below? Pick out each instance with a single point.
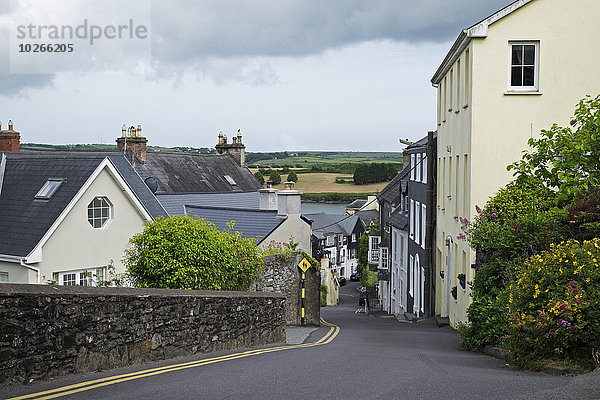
(10, 125)
(123, 130)
(289, 185)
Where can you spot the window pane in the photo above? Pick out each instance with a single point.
(529, 55)
(515, 77)
(517, 55)
(528, 76)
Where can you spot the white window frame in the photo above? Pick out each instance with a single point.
(536, 67)
(417, 237)
(423, 224)
(354, 238)
(93, 218)
(418, 168)
(68, 279)
(383, 258)
(3, 277)
(412, 167)
(424, 162)
(81, 277)
(411, 219)
(330, 241)
(411, 268)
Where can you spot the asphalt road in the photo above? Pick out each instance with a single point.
(371, 357)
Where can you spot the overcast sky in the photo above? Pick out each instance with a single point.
(291, 74)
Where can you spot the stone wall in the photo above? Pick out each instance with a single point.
(281, 274)
(47, 331)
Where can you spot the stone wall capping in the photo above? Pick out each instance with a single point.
(10, 289)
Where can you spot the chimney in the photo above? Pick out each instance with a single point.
(405, 158)
(268, 199)
(289, 185)
(132, 142)
(288, 202)
(10, 140)
(236, 149)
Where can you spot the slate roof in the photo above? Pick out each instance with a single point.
(367, 217)
(139, 187)
(328, 224)
(175, 203)
(256, 224)
(24, 220)
(399, 219)
(392, 190)
(356, 204)
(196, 173)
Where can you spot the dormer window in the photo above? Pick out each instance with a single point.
(230, 180)
(49, 188)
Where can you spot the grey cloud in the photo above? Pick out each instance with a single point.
(13, 84)
(189, 30)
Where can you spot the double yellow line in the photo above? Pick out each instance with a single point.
(97, 383)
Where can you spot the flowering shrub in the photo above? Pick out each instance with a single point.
(553, 305)
(516, 223)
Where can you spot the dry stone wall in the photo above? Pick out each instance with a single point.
(47, 331)
(281, 274)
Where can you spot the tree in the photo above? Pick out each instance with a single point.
(567, 159)
(259, 177)
(184, 253)
(275, 177)
(292, 177)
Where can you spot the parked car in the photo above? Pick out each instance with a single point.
(355, 276)
(342, 281)
(363, 296)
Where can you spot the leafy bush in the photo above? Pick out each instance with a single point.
(566, 158)
(584, 215)
(323, 295)
(553, 305)
(184, 253)
(516, 223)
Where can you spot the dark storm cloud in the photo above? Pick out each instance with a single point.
(12, 84)
(189, 30)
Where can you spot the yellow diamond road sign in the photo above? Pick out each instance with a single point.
(304, 265)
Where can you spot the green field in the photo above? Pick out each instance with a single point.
(310, 158)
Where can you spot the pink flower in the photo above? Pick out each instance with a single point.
(477, 209)
(527, 339)
(551, 332)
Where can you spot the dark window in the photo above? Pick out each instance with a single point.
(523, 65)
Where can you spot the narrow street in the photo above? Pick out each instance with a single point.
(371, 357)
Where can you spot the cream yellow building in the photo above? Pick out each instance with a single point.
(504, 79)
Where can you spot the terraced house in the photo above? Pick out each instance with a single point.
(504, 79)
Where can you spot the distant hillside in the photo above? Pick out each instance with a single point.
(309, 158)
(300, 159)
(108, 147)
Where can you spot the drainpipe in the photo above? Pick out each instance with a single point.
(31, 267)
(430, 223)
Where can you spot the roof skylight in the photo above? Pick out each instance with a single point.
(49, 189)
(230, 180)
